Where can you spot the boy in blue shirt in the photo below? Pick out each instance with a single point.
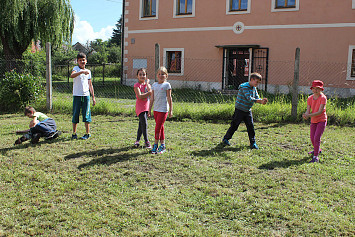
(247, 96)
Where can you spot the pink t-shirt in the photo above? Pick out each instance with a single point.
(142, 105)
(315, 104)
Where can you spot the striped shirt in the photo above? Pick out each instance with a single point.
(247, 96)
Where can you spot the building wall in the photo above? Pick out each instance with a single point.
(323, 30)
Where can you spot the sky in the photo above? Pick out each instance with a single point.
(95, 19)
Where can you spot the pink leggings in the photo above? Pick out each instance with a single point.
(160, 118)
(317, 130)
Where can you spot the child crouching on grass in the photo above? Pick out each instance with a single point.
(40, 126)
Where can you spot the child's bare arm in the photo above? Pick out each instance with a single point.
(151, 102)
(321, 108)
(141, 95)
(306, 114)
(91, 88)
(170, 102)
(75, 73)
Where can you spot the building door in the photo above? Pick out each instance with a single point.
(260, 64)
(237, 67)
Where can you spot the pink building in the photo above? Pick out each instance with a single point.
(216, 44)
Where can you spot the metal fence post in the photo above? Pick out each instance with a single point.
(48, 76)
(157, 60)
(296, 78)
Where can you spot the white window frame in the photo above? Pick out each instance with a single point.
(350, 54)
(274, 9)
(176, 15)
(141, 17)
(229, 12)
(182, 60)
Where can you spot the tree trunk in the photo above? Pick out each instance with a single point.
(13, 55)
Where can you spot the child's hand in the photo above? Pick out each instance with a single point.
(147, 81)
(93, 101)
(170, 114)
(149, 114)
(265, 100)
(86, 72)
(305, 116)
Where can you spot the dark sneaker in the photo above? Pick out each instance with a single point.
(52, 135)
(147, 145)
(226, 142)
(74, 136)
(154, 150)
(314, 159)
(35, 138)
(254, 146)
(161, 149)
(20, 140)
(85, 137)
(136, 144)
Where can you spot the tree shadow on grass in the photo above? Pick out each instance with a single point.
(283, 164)
(106, 156)
(218, 150)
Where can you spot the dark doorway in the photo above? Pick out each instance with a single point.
(237, 67)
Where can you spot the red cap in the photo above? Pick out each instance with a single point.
(318, 84)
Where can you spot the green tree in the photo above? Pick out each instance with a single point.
(116, 34)
(24, 21)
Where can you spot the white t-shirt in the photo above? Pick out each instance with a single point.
(160, 98)
(81, 83)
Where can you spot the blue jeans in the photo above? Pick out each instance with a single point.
(45, 127)
(237, 118)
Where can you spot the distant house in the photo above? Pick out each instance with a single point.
(83, 49)
(216, 44)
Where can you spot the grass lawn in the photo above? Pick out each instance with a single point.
(105, 187)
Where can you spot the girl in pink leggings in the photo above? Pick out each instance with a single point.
(163, 106)
(316, 111)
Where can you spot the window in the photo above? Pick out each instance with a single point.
(285, 5)
(238, 6)
(353, 4)
(351, 63)
(174, 61)
(184, 8)
(148, 9)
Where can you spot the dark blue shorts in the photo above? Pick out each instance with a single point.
(83, 103)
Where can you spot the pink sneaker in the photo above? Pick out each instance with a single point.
(136, 144)
(147, 145)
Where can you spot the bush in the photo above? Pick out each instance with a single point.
(17, 90)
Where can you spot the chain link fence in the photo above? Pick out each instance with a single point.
(192, 80)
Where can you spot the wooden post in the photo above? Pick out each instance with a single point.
(48, 76)
(296, 78)
(157, 60)
(103, 73)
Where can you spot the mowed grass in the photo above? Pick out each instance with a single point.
(105, 187)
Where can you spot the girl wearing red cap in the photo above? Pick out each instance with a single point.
(316, 111)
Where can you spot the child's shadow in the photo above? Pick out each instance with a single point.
(283, 164)
(106, 156)
(27, 144)
(218, 150)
